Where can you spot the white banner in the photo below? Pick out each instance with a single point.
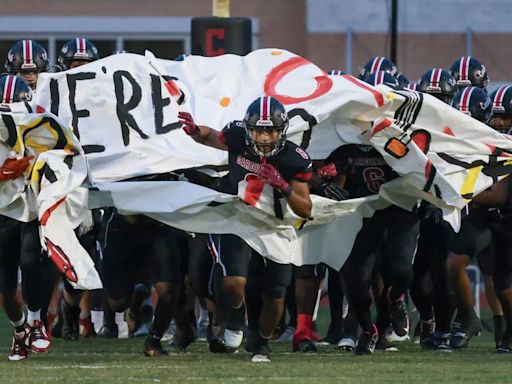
(127, 125)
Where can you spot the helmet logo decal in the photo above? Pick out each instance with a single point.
(480, 72)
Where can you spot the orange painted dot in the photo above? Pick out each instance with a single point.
(276, 53)
(225, 101)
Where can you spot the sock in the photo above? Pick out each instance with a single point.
(304, 328)
(33, 316)
(97, 320)
(19, 326)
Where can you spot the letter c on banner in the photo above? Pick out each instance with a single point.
(211, 34)
(323, 82)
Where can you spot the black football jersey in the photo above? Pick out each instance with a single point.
(292, 162)
(364, 167)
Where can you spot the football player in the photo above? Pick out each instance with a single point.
(258, 153)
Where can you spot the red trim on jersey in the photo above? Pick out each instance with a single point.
(303, 176)
(376, 94)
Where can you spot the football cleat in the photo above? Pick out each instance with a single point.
(460, 336)
(38, 338)
(153, 347)
(442, 342)
(19, 349)
(366, 342)
(427, 334)
(398, 316)
(305, 345)
(347, 344)
(233, 338)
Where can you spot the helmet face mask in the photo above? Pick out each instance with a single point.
(265, 123)
(501, 119)
(501, 122)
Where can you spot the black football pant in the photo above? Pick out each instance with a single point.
(397, 230)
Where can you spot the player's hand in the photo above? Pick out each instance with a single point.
(327, 171)
(334, 192)
(13, 168)
(189, 126)
(271, 175)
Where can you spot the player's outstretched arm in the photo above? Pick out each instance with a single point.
(201, 133)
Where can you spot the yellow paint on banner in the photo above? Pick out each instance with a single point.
(220, 8)
(276, 53)
(468, 186)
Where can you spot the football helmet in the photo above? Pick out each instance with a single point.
(14, 89)
(473, 101)
(77, 49)
(26, 56)
(501, 109)
(377, 64)
(266, 114)
(439, 83)
(468, 71)
(382, 77)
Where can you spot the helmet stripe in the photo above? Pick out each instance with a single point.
(464, 68)
(498, 98)
(380, 78)
(464, 99)
(377, 62)
(435, 77)
(264, 108)
(9, 86)
(27, 51)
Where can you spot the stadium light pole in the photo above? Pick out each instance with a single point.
(394, 24)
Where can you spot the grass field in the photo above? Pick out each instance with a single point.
(122, 361)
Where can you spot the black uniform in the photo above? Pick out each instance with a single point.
(134, 242)
(394, 229)
(231, 253)
(485, 233)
